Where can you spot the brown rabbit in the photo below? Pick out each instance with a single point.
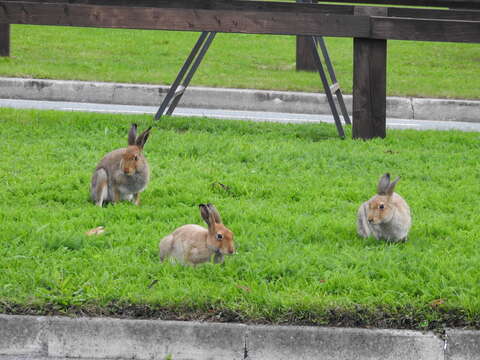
(193, 244)
(123, 173)
(386, 215)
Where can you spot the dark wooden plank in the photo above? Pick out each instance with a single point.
(296, 23)
(4, 39)
(467, 15)
(425, 30)
(456, 4)
(270, 5)
(417, 13)
(244, 5)
(240, 5)
(369, 88)
(264, 22)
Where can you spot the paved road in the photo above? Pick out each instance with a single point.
(231, 114)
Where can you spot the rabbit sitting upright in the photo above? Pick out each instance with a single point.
(193, 244)
(123, 173)
(386, 215)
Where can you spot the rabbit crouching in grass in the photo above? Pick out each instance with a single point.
(386, 215)
(193, 244)
(123, 173)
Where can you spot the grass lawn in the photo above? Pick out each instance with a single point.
(291, 196)
(424, 69)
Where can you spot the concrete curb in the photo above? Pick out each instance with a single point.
(229, 99)
(32, 337)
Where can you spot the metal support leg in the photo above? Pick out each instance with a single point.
(175, 92)
(328, 92)
(335, 88)
(201, 47)
(190, 74)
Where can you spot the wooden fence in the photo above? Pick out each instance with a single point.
(370, 27)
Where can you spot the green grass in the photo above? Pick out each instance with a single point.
(292, 196)
(424, 69)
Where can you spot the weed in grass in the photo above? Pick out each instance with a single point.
(289, 193)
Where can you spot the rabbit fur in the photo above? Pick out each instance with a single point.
(386, 215)
(193, 244)
(123, 173)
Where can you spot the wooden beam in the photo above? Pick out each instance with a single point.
(4, 39)
(434, 14)
(385, 27)
(240, 5)
(230, 21)
(234, 21)
(369, 88)
(457, 4)
(262, 6)
(425, 30)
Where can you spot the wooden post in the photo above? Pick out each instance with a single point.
(305, 61)
(369, 83)
(369, 88)
(4, 39)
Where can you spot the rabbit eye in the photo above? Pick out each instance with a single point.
(219, 237)
(382, 206)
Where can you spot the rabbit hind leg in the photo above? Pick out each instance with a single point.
(363, 229)
(100, 191)
(166, 247)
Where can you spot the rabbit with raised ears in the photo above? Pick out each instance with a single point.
(193, 244)
(386, 215)
(123, 173)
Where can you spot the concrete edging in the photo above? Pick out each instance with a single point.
(38, 337)
(228, 99)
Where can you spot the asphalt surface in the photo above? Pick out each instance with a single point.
(259, 116)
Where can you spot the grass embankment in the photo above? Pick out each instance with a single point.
(424, 69)
(291, 194)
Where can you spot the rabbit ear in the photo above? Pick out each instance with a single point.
(391, 186)
(215, 213)
(383, 184)
(208, 217)
(205, 213)
(132, 134)
(143, 137)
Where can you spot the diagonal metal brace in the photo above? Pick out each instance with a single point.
(329, 91)
(185, 75)
(198, 52)
(335, 88)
